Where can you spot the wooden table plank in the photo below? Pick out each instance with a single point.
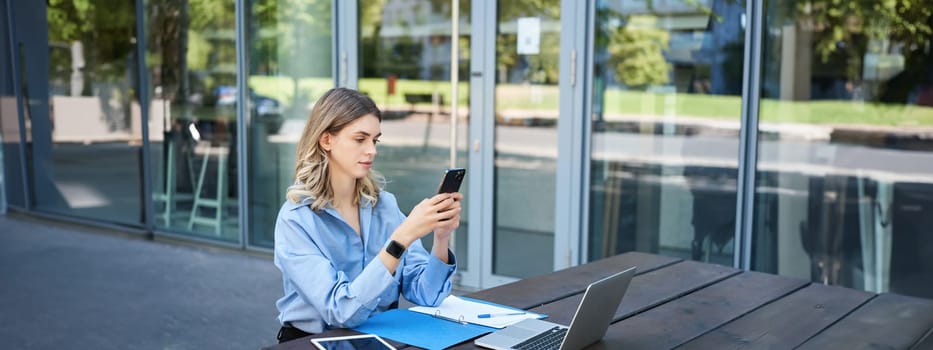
(697, 313)
(648, 290)
(926, 342)
(785, 323)
(889, 321)
(539, 290)
(645, 291)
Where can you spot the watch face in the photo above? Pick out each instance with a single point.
(395, 249)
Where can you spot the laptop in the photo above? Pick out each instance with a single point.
(589, 324)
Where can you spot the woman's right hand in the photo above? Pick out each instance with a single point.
(424, 217)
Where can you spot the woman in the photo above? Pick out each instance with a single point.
(345, 249)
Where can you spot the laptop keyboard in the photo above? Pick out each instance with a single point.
(546, 340)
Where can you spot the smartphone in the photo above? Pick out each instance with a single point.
(453, 177)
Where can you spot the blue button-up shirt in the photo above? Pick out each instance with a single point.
(332, 277)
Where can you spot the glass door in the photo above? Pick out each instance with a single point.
(191, 67)
(79, 64)
(844, 179)
(405, 66)
(666, 108)
(525, 137)
(290, 67)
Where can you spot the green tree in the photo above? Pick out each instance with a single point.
(637, 54)
(104, 27)
(190, 37)
(291, 37)
(167, 28)
(842, 31)
(835, 21)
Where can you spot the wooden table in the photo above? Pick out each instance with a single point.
(674, 303)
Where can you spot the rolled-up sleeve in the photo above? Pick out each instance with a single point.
(425, 278)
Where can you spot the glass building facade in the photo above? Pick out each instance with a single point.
(785, 136)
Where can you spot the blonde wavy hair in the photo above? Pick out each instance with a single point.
(336, 109)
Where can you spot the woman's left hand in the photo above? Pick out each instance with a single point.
(445, 228)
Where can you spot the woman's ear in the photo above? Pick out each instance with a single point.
(325, 141)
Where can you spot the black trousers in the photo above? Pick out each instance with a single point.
(287, 332)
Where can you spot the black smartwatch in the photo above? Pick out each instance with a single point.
(395, 249)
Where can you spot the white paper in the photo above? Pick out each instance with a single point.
(529, 36)
(461, 310)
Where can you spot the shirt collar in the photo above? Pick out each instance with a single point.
(306, 201)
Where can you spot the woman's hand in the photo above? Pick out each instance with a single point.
(427, 216)
(445, 228)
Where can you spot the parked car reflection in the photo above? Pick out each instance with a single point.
(265, 109)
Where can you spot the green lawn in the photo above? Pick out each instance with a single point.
(546, 97)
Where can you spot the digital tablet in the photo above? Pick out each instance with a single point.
(352, 342)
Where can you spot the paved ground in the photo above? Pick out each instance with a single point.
(70, 287)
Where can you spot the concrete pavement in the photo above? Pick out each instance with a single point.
(70, 287)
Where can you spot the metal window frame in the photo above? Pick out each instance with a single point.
(147, 205)
(586, 110)
(346, 44)
(482, 93)
(243, 119)
(748, 137)
(482, 129)
(20, 105)
(572, 131)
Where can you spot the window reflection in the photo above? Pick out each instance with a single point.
(91, 168)
(527, 111)
(666, 109)
(192, 71)
(290, 67)
(405, 68)
(845, 186)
